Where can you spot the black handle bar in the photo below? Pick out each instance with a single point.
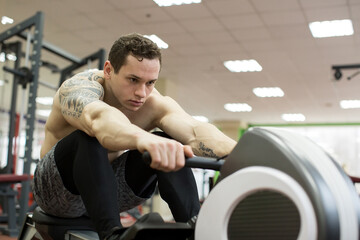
(15, 72)
(194, 162)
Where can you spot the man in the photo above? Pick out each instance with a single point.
(95, 117)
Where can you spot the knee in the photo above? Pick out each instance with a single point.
(86, 141)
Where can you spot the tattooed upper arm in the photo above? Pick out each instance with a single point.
(91, 76)
(76, 93)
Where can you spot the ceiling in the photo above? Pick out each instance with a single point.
(201, 36)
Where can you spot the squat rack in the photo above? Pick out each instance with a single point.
(36, 23)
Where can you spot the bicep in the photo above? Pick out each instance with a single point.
(74, 95)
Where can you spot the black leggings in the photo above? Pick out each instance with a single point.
(85, 169)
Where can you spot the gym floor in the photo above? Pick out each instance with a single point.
(4, 237)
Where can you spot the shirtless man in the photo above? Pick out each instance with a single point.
(95, 117)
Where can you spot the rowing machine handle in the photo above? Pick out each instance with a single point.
(194, 162)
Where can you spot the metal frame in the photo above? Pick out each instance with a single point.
(15, 47)
(66, 72)
(36, 23)
(338, 74)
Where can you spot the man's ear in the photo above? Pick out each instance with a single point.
(107, 69)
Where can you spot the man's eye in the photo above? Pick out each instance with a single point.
(151, 83)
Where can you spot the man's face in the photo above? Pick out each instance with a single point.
(134, 82)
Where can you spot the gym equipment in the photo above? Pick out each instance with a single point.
(8, 195)
(31, 30)
(275, 184)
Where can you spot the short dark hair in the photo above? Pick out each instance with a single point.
(134, 44)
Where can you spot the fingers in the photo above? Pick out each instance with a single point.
(168, 155)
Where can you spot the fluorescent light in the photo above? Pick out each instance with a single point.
(348, 104)
(45, 100)
(2, 57)
(157, 40)
(2, 82)
(293, 117)
(11, 57)
(43, 113)
(6, 20)
(201, 118)
(167, 3)
(334, 28)
(238, 107)
(243, 66)
(268, 92)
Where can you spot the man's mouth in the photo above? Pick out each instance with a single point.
(136, 103)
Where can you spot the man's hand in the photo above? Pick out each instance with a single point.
(166, 154)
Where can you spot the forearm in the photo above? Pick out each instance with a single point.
(211, 142)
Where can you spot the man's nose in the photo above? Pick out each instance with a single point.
(141, 91)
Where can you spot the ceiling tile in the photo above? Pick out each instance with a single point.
(188, 11)
(92, 34)
(166, 27)
(91, 6)
(291, 31)
(112, 19)
(213, 37)
(260, 45)
(325, 14)
(191, 50)
(283, 18)
(202, 36)
(75, 22)
(321, 3)
(130, 4)
(202, 25)
(220, 48)
(180, 39)
(230, 7)
(355, 11)
(275, 5)
(252, 33)
(297, 43)
(241, 21)
(147, 15)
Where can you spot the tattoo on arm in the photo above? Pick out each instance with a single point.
(76, 93)
(206, 152)
(91, 76)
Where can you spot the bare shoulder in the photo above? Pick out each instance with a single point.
(163, 106)
(160, 103)
(78, 91)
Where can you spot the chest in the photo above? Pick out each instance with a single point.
(144, 119)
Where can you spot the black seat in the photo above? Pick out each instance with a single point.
(51, 227)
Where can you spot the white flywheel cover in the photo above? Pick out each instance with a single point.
(215, 213)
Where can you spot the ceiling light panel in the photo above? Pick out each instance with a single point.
(43, 113)
(167, 3)
(201, 118)
(334, 28)
(6, 20)
(293, 117)
(44, 100)
(243, 66)
(159, 42)
(349, 104)
(238, 107)
(268, 92)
